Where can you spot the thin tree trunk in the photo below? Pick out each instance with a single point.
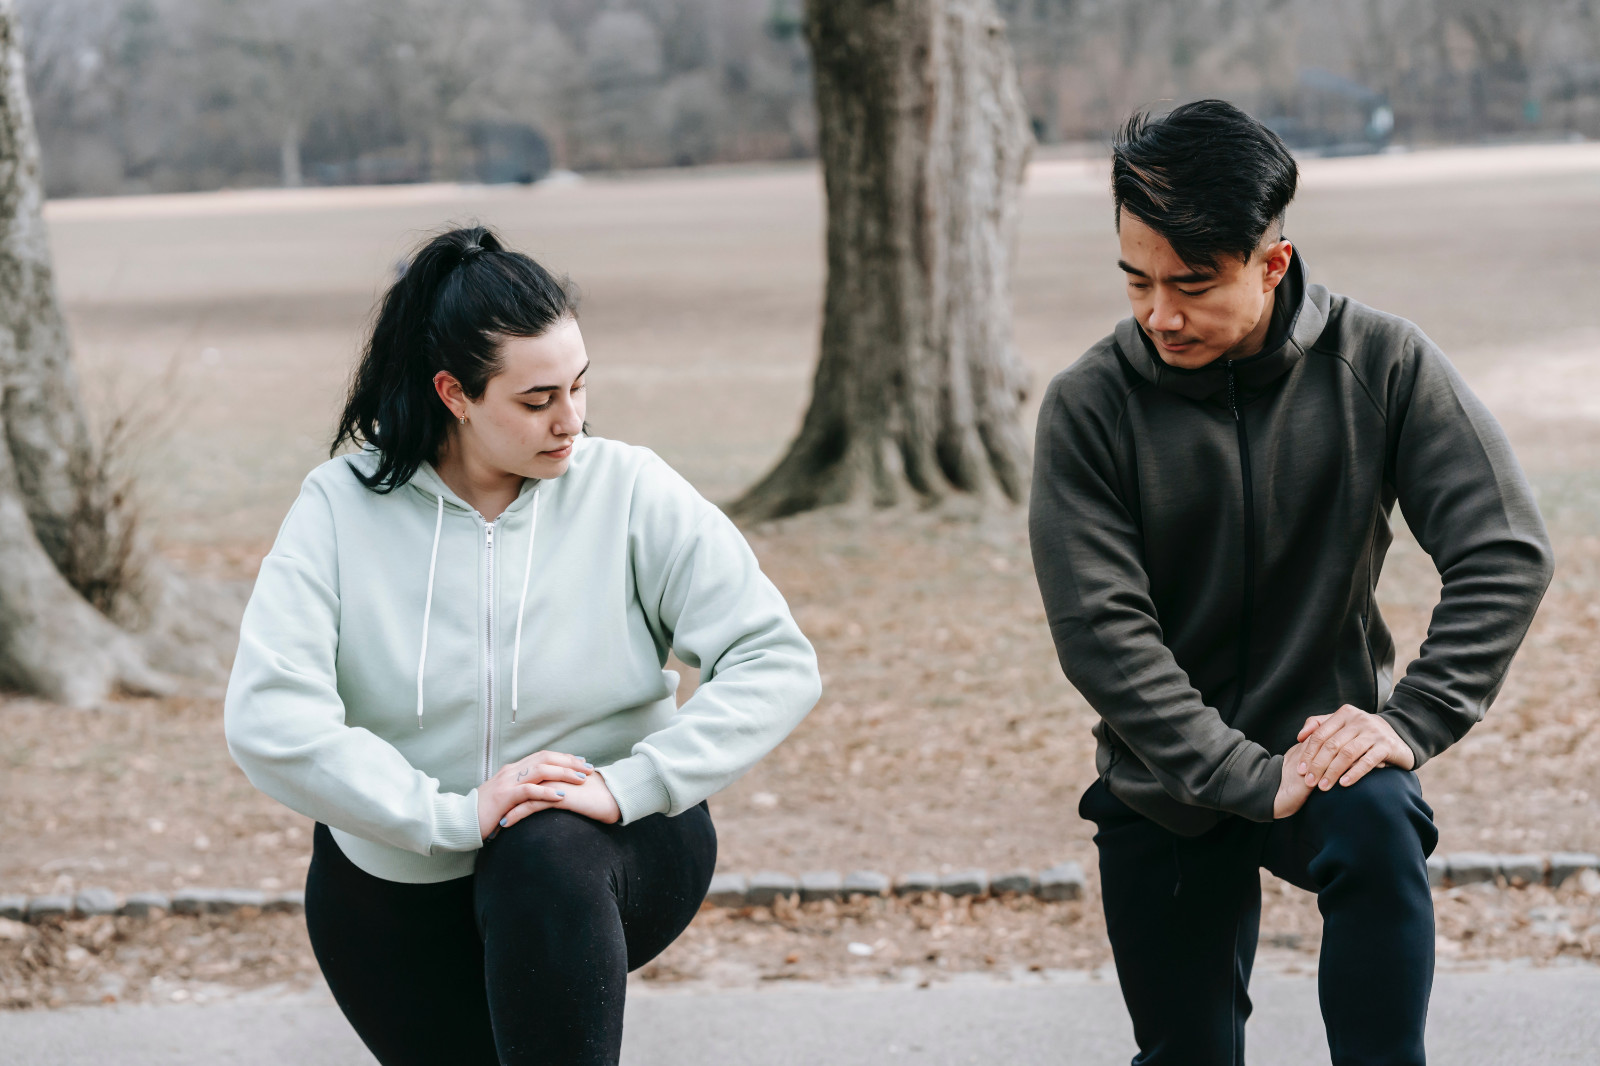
(66, 555)
(289, 156)
(45, 429)
(923, 137)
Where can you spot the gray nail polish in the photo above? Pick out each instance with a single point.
(502, 823)
(561, 793)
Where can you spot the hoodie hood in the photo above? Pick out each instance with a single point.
(427, 483)
(1300, 314)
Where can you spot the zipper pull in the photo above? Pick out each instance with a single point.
(1233, 394)
(488, 533)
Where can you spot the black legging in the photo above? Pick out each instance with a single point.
(525, 960)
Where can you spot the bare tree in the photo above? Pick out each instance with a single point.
(923, 138)
(75, 587)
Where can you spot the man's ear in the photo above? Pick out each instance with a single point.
(1275, 261)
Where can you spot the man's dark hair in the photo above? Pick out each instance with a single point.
(1206, 176)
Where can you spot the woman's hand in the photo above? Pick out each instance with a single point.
(591, 798)
(528, 785)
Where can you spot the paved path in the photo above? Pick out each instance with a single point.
(1549, 1018)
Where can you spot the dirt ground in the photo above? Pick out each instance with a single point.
(946, 737)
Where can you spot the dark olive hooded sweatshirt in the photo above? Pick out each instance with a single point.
(1207, 543)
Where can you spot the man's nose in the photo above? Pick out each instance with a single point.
(1165, 316)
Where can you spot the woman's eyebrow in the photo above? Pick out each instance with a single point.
(552, 388)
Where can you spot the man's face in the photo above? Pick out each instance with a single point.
(1195, 316)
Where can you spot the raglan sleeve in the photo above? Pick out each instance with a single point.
(284, 720)
(1088, 558)
(704, 595)
(1471, 508)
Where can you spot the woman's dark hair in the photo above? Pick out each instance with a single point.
(456, 299)
(1206, 176)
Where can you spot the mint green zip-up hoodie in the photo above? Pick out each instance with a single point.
(398, 650)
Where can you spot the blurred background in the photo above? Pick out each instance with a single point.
(168, 95)
(662, 153)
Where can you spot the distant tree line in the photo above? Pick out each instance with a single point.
(151, 95)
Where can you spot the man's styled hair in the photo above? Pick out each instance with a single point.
(1206, 176)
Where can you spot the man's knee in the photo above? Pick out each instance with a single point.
(1381, 822)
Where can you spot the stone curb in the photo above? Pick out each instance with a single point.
(1481, 867)
(92, 902)
(1062, 882)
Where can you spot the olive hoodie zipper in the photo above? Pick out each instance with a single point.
(1245, 608)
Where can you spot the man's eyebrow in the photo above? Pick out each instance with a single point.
(552, 388)
(1176, 279)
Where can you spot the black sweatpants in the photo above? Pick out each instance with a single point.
(525, 960)
(1183, 915)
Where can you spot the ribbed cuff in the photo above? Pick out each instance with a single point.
(637, 788)
(1252, 783)
(1399, 719)
(455, 822)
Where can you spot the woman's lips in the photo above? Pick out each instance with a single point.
(558, 453)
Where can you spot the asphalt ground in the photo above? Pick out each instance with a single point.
(1501, 1018)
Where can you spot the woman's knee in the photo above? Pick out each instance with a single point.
(552, 852)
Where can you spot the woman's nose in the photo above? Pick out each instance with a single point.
(568, 420)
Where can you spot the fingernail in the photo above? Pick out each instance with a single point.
(561, 793)
(581, 775)
(502, 823)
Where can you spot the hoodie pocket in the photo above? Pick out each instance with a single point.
(1372, 662)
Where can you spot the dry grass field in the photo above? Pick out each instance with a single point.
(946, 736)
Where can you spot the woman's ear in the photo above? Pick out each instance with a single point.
(451, 394)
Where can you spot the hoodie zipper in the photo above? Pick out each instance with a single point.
(488, 628)
(1245, 610)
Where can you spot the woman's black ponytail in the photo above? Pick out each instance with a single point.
(459, 296)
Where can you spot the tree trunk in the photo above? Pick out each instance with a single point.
(70, 570)
(923, 137)
(289, 156)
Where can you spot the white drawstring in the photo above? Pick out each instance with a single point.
(527, 569)
(427, 609)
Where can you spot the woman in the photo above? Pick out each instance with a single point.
(453, 661)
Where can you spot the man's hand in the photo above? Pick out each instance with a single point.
(1292, 788)
(1347, 745)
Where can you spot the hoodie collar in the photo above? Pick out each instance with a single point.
(428, 482)
(431, 487)
(1299, 314)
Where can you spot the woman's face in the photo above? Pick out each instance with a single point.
(531, 412)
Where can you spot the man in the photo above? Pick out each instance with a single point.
(1212, 494)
